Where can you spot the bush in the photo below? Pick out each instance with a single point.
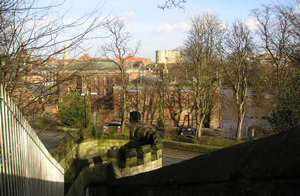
(72, 110)
(287, 112)
(160, 122)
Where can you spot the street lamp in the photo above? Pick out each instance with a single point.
(85, 116)
(85, 123)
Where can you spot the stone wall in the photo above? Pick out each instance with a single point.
(168, 56)
(88, 176)
(67, 161)
(92, 148)
(142, 154)
(267, 166)
(146, 167)
(127, 158)
(77, 156)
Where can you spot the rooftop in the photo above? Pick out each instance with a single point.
(102, 65)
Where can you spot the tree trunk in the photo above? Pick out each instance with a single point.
(199, 122)
(123, 122)
(123, 119)
(241, 115)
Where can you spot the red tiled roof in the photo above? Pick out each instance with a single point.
(131, 59)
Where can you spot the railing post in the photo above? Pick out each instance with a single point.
(26, 167)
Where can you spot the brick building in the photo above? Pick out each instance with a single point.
(150, 102)
(130, 61)
(147, 100)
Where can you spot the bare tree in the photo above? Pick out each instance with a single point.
(293, 16)
(239, 68)
(201, 52)
(172, 3)
(280, 37)
(279, 31)
(118, 48)
(274, 32)
(29, 37)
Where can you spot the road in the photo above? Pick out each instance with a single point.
(172, 156)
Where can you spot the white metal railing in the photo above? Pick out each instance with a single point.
(26, 166)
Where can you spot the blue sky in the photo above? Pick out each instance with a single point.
(164, 29)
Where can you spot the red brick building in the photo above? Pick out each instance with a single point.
(130, 61)
(100, 81)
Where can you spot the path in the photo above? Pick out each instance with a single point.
(172, 156)
(49, 138)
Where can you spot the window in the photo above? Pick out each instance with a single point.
(106, 92)
(121, 98)
(105, 81)
(148, 99)
(79, 81)
(172, 99)
(96, 81)
(115, 80)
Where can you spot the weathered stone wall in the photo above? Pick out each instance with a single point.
(168, 56)
(268, 166)
(127, 158)
(88, 176)
(142, 155)
(146, 167)
(67, 161)
(92, 148)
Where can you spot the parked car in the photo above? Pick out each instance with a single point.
(112, 124)
(187, 131)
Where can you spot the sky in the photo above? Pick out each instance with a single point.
(167, 29)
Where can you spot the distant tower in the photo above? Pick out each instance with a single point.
(168, 56)
(66, 51)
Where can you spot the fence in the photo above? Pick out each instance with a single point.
(26, 167)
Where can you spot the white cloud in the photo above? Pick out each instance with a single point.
(252, 24)
(128, 16)
(175, 26)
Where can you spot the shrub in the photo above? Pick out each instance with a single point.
(72, 110)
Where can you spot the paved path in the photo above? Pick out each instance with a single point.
(172, 156)
(49, 138)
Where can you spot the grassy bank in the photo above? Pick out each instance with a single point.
(206, 140)
(210, 140)
(189, 147)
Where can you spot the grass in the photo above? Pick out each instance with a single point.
(51, 126)
(210, 140)
(189, 147)
(206, 140)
